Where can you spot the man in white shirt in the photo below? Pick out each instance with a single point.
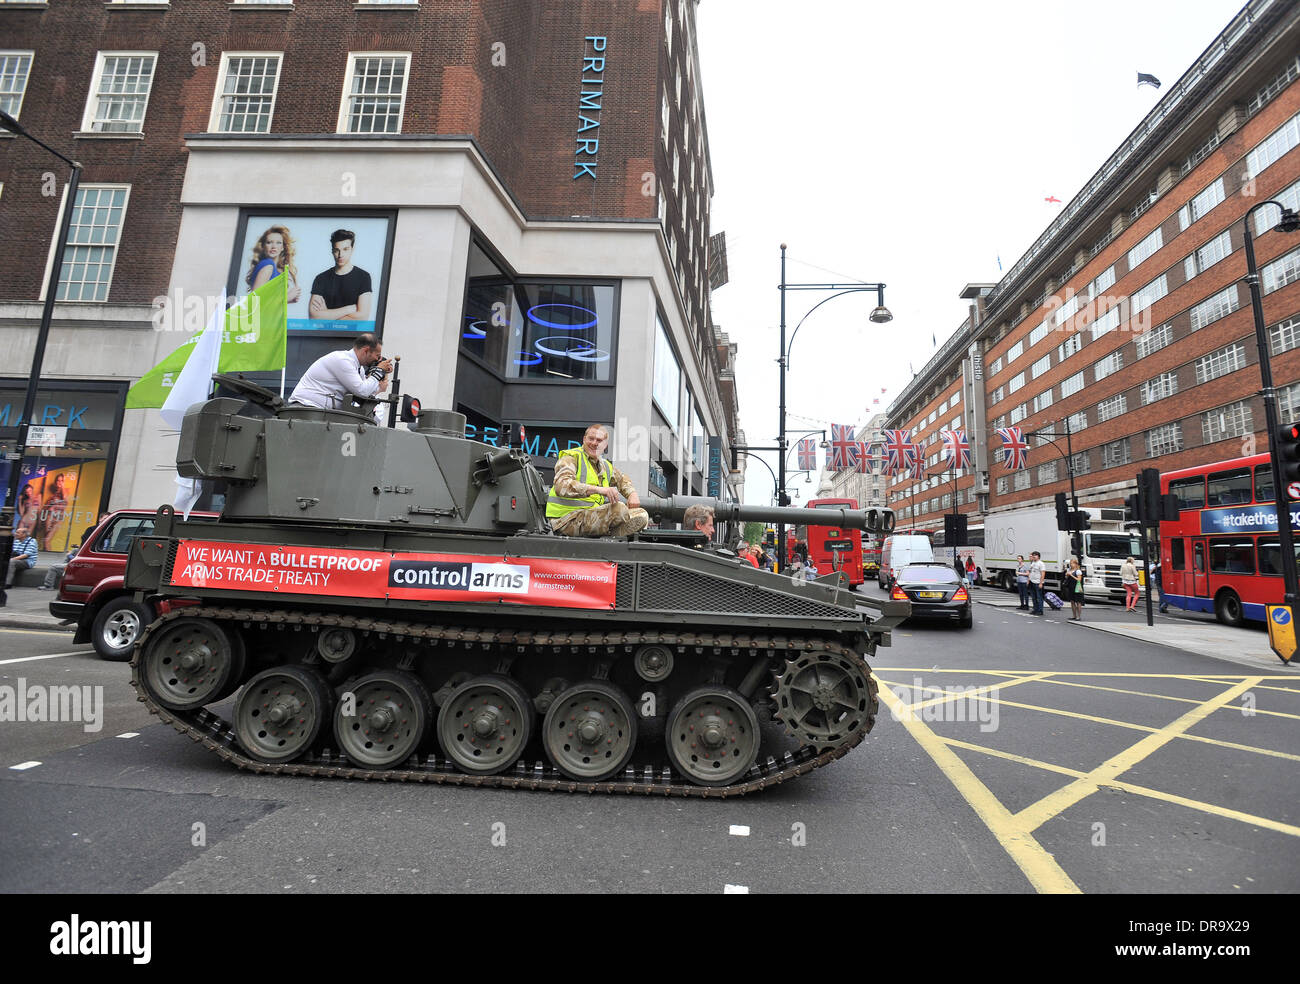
(360, 371)
(1037, 572)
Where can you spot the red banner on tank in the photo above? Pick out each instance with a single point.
(468, 578)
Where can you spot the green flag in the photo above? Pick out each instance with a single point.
(257, 330)
(152, 389)
(255, 339)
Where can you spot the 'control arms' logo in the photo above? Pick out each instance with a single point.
(451, 576)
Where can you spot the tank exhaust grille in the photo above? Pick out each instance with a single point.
(667, 589)
(172, 548)
(625, 586)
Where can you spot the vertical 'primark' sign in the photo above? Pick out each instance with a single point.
(589, 99)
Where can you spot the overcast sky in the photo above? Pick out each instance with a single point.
(911, 144)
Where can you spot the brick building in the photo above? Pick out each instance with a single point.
(527, 185)
(1128, 319)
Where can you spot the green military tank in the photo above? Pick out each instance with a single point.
(391, 604)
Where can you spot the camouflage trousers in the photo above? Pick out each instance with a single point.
(611, 519)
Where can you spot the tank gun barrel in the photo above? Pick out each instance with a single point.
(871, 520)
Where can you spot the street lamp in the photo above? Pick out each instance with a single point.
(1289, 222)
(15, 457)
(879, 315)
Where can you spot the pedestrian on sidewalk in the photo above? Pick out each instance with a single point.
(1074, 590)
(1160, 590)
(1022, 581)
(1037, 575)
(970, 570)
(24, 555)
(1128, 576)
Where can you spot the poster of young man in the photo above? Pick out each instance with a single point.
(337, 266)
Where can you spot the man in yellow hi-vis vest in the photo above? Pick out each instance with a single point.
(588, 493)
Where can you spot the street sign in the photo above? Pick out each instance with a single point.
(46, 437)
(1293, 490)
(1281, 631)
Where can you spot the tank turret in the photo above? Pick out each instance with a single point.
(392, 603)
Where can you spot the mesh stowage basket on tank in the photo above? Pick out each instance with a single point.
(667, 589)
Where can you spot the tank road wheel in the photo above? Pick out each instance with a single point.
(281, 711)
(484, 724)
(712, 736)
(590, 731)
(191, 662)
(391, 711)
(823, 699)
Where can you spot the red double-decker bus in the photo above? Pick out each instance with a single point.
(831, 548)
(1223, 554)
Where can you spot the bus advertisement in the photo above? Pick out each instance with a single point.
(1223, 554)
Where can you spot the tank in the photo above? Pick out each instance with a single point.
(389, 603)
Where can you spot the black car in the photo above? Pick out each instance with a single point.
(935, 591)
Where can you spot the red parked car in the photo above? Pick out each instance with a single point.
(92, 593)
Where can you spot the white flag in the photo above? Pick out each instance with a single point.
(192, 385)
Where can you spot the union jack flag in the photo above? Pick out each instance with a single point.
(956, 448)
(844, 449)
(865, 458)
(899, 451)
(1015, 449)
(807, 449)
(917, 466)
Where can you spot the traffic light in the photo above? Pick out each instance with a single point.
(1134, 505)
(954, 530)
(1062, 512)
(769, 537)
(1149, 491)
(410, 412)
(1288, 452)
(513, 435)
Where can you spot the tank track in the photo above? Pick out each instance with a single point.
(218, 736)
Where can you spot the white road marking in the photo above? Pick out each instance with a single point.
(28, 659)
(738, 831)
(129, 734)
(24, 765)
(735, 889)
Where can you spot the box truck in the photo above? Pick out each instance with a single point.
(1009, 533)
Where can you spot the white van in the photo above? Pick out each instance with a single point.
(900, 550)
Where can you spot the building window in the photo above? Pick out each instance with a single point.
(1285, 336)
(1148, 295)
(1145, 248)
(1282, 271)
(995, 366)
(119, 92)
(374, 93)
(1230, 421)
(1270, 91)
(1288, 401)
(1041, 366)
(246, 93)
(1274, 146)
(998, 396)
(1072, 385)
(1113, 363)
(1015, 352)
(1077, 421)
(1269, 216)
(1068, 347)
(93, 236)
(1020, 480)
(1219, 306)
(1220, 363)
(1164, 440)
(664, 119)
(1199, 154)
(1047, 473)
(1003, 485)
(1020, 413)
(1043, 400)
(1114, 454)
(1154, 340)
(1039, 333)
(1106, 323)
(1113, 407)
(1163, 386)
(1066, 311)
(15, 66)
(1017, 381)
(1082, 463)
(1201, 205)
(1208, 255)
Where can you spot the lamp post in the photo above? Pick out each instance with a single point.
(879, 315)
(1289, 222)
(15, 457)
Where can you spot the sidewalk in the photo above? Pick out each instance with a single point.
(29, 608)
